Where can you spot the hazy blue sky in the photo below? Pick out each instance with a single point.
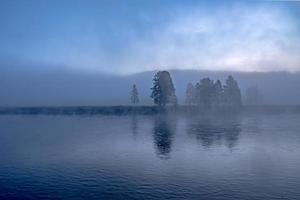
(131, 36)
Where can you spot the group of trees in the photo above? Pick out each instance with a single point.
(163, 91)
(207, 93)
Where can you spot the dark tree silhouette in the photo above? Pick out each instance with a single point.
(163, 91)
(134, 95)
(205, 92)
(210, 94)
(218, 93)
(232, 93)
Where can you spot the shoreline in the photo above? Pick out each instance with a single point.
(143, 110)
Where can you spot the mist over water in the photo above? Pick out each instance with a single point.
(41, 87)
(243, 156)
(172, 99)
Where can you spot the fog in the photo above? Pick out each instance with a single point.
(41, 86)
(59, 53)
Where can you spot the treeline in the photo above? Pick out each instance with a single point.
(209, 93)
(206, 93)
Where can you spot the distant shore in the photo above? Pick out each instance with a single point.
(140, 110)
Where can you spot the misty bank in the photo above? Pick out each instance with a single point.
(141, 110)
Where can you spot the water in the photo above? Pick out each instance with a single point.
(150, 157)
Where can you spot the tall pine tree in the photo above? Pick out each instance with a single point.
(218, 93)
(163, 91)
(232, 93)
(134, 95)
(205, 92)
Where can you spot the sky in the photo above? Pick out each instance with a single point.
(124, 37)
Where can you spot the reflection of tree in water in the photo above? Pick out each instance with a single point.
(134, 125)
(214, 131)
(163, 132)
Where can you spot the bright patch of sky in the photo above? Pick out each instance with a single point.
(132, 36)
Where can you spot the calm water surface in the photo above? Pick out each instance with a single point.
(150, 157)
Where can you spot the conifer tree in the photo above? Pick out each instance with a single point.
(134, 95)
(205, 92)
(218, 93)
(232, 93)
(163, 91)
